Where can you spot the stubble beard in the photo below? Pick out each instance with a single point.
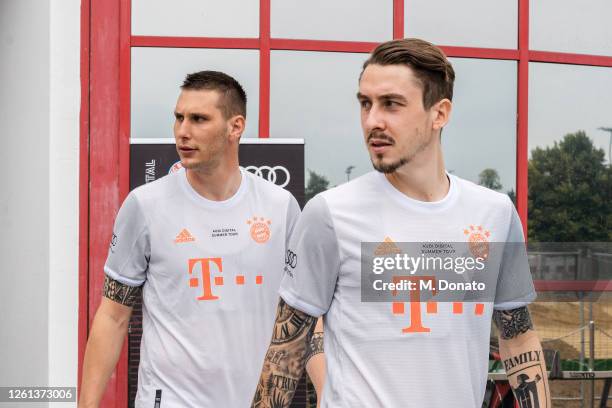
(204, 167)
(213, 156)
(388, 168)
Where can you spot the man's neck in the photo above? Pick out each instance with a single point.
(218, 184)
(423, 178)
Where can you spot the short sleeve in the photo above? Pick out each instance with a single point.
(129, 251)
(312, 261)
(293, 213)
(515, 284)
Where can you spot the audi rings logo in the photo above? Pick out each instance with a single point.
(291, 258)
(278, 175)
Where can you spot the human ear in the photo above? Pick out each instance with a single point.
(236, 125)
(441, 112)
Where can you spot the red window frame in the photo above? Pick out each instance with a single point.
(106, 44)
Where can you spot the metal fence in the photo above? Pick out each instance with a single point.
(579, 324)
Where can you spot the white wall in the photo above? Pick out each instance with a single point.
(63, 178)
(24, 192)
(39, 112)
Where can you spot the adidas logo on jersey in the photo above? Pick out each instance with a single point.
(184, 236)
(387, 247)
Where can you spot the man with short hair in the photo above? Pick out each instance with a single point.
(205, 246)
(426, 355)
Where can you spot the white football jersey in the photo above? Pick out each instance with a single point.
(381, 354)
(211, 272)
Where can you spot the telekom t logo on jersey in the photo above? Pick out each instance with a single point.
(479, 246)
(416, 312)
(208, 266)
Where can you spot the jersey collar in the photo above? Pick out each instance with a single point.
(422, 206)
(203, 201)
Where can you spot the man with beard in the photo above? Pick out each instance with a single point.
(205, 246)
(376, 355)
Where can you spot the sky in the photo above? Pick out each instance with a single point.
(312, 94)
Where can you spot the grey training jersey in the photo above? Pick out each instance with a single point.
(211, 272)
(375, 355)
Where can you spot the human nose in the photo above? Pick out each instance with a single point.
(181, 128)
(373, 119)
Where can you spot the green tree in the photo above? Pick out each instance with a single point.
(570, 192)
(512, 196)
(490, 179)
(316, 184)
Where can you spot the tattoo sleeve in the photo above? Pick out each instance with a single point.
(286, 357)
(120, 292)
(513, 322)
(523, 359)
(315, 346)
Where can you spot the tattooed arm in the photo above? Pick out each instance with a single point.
(522, 356)
(286, 357)
(315, 360)
(106, 340)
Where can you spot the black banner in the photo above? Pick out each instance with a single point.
(280, 161)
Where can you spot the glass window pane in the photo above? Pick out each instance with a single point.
(340, 20)
(196, 18)
(581, 27)
(312, 96)
(569, 157)
(467, 23)
(481, 133)
(157, 74)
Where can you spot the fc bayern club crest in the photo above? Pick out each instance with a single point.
(175, 167)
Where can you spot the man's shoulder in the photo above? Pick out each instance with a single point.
(266, 190)
(353, 190)
(156, 190)
(480, 195)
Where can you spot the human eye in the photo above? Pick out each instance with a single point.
(365, 104)
(198, 118)
(178, 117)
(390, 103)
